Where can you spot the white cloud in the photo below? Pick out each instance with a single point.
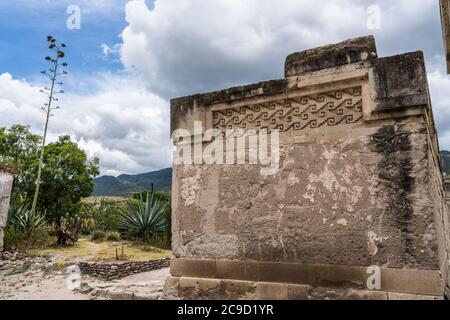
(107, 50)
(185, 46)
(188, 46)
(123, 124)
(19, 102)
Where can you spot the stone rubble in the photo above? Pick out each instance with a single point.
(42, 277)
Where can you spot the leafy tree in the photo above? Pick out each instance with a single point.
(67, 177)
(67, 173)
(19, 147)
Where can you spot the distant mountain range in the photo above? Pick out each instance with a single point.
(126, 185)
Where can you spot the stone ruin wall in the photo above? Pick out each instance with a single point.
(359, 182)
(6, 180)
(113, 271)
(445, 20)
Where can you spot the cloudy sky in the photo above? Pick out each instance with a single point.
(130, 57)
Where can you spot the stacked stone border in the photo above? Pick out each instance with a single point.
(256, 280)
(187, 288)
(111, 271)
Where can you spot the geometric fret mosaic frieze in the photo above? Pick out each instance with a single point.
(332, 108)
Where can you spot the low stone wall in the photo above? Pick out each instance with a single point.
(6, 181)
(112, 271)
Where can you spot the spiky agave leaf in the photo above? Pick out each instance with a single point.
(27, 220)
(145, 217)
(15, 210)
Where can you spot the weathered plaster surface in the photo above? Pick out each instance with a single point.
(356, 201)
(6, 179)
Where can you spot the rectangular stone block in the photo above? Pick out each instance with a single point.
(272, 291)
(412, 281)
(347, 52)
(171, 287)
(234, 269)
(400, 82)
(347, 276)
(285, 272)
(298, 292)
(346, 294)
(193, 268)
(406, 297)
(198, 288)
(237, 290)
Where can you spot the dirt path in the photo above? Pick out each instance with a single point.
(36, 284)
(21, 287)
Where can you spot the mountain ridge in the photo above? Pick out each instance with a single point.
(125, 184)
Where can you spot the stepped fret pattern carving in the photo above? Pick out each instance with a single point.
(333, 108)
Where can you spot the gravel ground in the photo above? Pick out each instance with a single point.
(37, 278)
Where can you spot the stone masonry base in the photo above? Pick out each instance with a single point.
(187, 288)
(259, 280)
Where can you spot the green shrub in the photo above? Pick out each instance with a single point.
(157, 195)
(164, 239)
(98, 235)
(25, 229)
(99, 216)
(24, 220)
(15, 239)
(112, 236)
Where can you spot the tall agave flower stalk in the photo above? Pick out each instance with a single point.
(56, 70)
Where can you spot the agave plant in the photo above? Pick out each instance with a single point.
(26, 220)
(144, 218)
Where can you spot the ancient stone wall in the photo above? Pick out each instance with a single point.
(6, 180)
(359, 182)
(445, 19)
(120, 270)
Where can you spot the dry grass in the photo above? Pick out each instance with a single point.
(85, 250)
